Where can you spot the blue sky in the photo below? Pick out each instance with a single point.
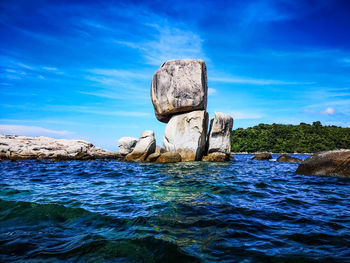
(83, 69)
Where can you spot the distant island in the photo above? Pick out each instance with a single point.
(280, 138)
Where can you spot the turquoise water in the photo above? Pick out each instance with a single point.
(110, 211)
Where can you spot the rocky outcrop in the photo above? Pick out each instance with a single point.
(127, 144)
(262, 156)
(216, 157)
(145, 146)
(179, 86)
(169, 157)
(327, 163)
(289, 159)
(219, 137)
(186, 134)
(21, 147)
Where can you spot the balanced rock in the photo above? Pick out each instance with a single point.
(145, 146)
(219, 138)
(186, 134)
(327, 163)
(179, 86)
(287, 158)
(216, 157)
(127, 144)
(169, 157)
(262, 156)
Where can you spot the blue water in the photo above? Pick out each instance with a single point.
(109, 211)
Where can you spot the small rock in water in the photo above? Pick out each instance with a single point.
(144, 147)
(127, 144)
(216, 157)
(262, 156)
(169, 157)
(287, 158)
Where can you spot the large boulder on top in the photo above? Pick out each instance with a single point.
(262, 156)
(219, 138)
(127, 144)
(327, 163)
(186, 134)
(144, 147)
(288, 159)
(179, 86)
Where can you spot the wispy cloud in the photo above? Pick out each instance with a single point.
(239, 115)
(211, 91)
(30, 130)
(328, 111)
(243, 80)
(168, 42)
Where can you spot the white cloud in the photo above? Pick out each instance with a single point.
(238, 115)
(168, 43)
(329, 111)
(211, 91)
(30, 130)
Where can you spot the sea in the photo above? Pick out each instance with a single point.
(109, 211)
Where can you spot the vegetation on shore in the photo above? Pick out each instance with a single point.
(280, 138)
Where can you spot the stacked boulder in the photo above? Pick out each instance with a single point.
(179, 93)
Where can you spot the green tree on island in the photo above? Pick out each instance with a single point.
(302, 138)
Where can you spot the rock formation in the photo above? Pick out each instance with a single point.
(127, 144)
(21, 147)
(179, 86)
(327, 163)
(219, 137)
(186, 134)
(145, 146)
(262, 156)
(216, 157)
(287, 158)
(169, 157)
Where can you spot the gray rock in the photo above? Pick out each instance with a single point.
(127, 144)
(179, 86)
(219, 138)
(262, 156)
(186, 134)
(22, 147)
(288, 159)
(144, 147)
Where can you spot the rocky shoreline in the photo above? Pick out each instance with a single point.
(14, 147)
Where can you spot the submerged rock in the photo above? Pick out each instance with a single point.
(179, 86)
(186, 134)
(169, 157)
(216, 157)
(327, 163)
(127, 144)
(145, 146)
(287, 158)
(262, 156)
(14, 147)
(219, 138)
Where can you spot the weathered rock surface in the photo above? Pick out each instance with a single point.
(262, 156)
(127, 144)
(327, 163)
(153, 157)
(179, 86)
(216, 157)
(21, 147)
(219, 137)
(186, 134)
(287, 158)
(169, 157)
(145, 146)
